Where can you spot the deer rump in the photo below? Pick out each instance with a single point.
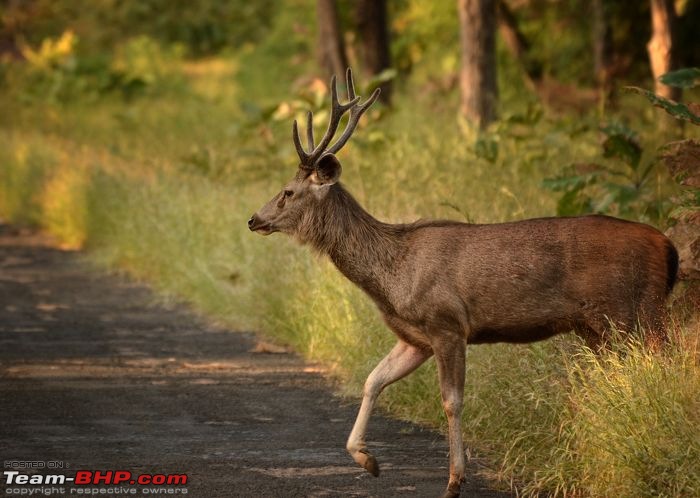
(528, 280)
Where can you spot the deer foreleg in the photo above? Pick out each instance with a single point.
(401, 361)
(450, 359)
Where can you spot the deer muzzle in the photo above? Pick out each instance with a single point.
(255, 224)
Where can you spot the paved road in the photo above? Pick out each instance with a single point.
(94, 375)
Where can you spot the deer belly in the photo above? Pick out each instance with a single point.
(523, 318)
(518, 334)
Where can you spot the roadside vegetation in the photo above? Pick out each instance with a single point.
(152, 157)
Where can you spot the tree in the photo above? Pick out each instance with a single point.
(331, 48)
(374, 40)
(479, 93)
(517, 44)
(660, 46)
(602, 49)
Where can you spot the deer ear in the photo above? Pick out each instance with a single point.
(327, 170)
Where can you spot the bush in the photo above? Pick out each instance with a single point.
(201, 27)
(58, 72)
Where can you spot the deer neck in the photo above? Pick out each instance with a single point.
(364, 249)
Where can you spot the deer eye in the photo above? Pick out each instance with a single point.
(288, 193)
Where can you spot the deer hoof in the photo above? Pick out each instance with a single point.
(454, 488)
(450, 494)
(368, 462)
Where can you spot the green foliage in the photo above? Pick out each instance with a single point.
(682, 159)
(623, 186)
(22, 178)
(622, 143)
(58, 72)
(627, 188)
(201, 27)
(287, 53)
(204, 27)
(573, 200)
(570, 58)
(676, 109)
(424, 31)
(682, 78)
(379, 79)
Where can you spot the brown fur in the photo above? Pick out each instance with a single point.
(508, 282)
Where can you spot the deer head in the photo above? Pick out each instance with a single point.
(319, 169)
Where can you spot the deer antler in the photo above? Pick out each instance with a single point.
(308, 159)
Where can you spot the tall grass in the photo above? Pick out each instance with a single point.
(163, 188)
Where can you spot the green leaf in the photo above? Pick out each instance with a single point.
(682, 78)
(574, 202)
(574, 199)
(622, 143)
(532, 115)
(675, 109)
(603, 205)
(624, 194)
(379, 79)
(486, 148)
(567, 183)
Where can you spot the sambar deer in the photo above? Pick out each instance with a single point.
(441, 285)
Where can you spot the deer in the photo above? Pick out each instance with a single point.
(441, 285)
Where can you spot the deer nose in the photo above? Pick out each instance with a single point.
(251, 221)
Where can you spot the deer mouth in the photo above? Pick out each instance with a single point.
(261, 227)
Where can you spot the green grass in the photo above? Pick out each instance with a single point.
(162, 187)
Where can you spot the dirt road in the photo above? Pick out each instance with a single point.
(95, 376)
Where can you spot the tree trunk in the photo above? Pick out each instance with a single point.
(13, 13)
(602, 49)
(331, 47)
(660, 46)
(516, 43)
(478, 72)
(374, 40)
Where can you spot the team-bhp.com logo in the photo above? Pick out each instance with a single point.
(122, 482)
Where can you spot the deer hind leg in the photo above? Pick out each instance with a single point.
(599, 322)
(594, 333)
(649, 314)
(401, 361)
(450, 359)
(653, 317)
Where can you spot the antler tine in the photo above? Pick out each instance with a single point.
(350, 84)
(337, 111)
(352, 99)
(303, 156)
(310, 130)
(355, 115)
